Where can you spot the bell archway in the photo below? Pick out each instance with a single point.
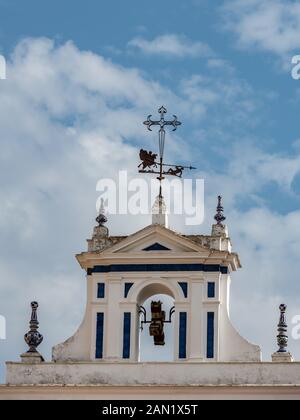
(156, 338)
(156, 320)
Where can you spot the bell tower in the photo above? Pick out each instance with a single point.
(123, 272)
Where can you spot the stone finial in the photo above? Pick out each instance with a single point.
(100, 236)
(101, 231)
(33, 338)
(282, 338)
(219, 229)
(101, 219)
(219, 216)
(282, 355)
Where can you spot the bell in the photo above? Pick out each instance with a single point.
(156, 328)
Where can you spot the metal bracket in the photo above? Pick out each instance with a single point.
(142, 311)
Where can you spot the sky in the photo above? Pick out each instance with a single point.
(81, 78)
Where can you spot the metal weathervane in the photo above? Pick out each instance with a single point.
(149, 163)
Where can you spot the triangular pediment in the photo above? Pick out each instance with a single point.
(155, 238)
(179, 249)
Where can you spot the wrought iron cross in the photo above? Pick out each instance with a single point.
(162, 123)
(149, 163)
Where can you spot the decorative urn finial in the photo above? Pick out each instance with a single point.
(282, 337)
(101, 219)
(219, 216)
(282, 355)
(33, 338)
(100, 237)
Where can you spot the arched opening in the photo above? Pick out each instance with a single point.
(148, 350)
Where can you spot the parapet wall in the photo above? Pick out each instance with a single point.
(179, 374)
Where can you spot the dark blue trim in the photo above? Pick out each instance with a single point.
(210, 335)
(157, 267)
(184, 287)
(101, 291)
(211, 293)
(99, 335)
(182, 335)
(127, 287)
(126, 335)
(156, 247)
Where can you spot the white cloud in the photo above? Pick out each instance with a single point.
(268, 25)
(220, 96)
(172, 45)
(221, 65)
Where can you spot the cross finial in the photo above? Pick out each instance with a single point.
(162, 123)
(219, 216)
(150, 164)
(101, 219)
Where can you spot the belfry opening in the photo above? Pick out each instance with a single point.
(156, 308)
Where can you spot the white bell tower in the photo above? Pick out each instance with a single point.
(123, 272)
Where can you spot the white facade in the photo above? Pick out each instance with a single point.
(197, 262)
(156, 374)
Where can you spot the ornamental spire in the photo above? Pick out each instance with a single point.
(282, 338)
(282, 355)
(219, 216)
(101, 219)
(33, 338)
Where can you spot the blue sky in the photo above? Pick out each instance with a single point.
(223, 67)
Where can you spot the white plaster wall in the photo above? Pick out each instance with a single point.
(150, 392)
(77, 347)
(229, 345)
(233, 347)
(195, 320)
(81, 346)
(174, 373)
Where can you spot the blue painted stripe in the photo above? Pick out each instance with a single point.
(182, 335)
(211, 290)
(210, 335)
(127, 287)
(126, 335)
(157, 267)
(101, 291)
(99, 335)
(184, 287)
